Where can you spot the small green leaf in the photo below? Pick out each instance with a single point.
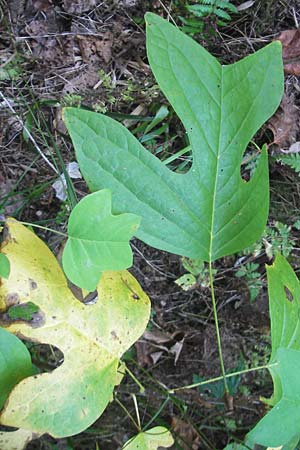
(98, 240)
(4, 266)
(236, 446)
(15, 363)
(24, 312)
(186, 281)
(150, 440)
(284, 417)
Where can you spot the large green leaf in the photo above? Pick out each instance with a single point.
(92, 338)
(97, 240)
(282, 424)
(15, 363)
(150, 440)
(210, 211)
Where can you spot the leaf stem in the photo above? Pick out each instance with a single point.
(214, 305)
(229, 375)
(34, 225)
(142, 389)
(156, 414)
(127, 413)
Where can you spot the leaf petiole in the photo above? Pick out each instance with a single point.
(214, 305)
(229, 375)
(34, 225)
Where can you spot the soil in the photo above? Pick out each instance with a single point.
(93, 54)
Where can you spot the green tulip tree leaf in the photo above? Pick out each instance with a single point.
(97, 240)
(282, 423)
(4, 266)
(92, 338)
(15, 363)
(150, 440)
(210, 211)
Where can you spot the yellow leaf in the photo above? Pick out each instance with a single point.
(92, 337)
(16, 440)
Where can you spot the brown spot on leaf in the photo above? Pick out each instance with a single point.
(288, 294)
(114, 335)
(12, 299)
(32, 284)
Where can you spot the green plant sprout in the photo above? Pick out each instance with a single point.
(252, 278)
(216, 390)
(198, 274)
(204, 214)
(217, 11)
(290, 159)
(275, 239)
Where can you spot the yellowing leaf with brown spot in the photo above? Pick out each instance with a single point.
(92, 337)
(15, 440)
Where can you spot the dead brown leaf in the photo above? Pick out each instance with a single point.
(83, 82)
(78, 6)
(51, 51)
(42, 5)
(187, 436)
(95, 48)
(153, 344)
(14, 201)
(284, 124)
(290, 40)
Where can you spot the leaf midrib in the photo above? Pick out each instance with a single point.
(106, 241)
(217, 171)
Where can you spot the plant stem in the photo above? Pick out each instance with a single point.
(136, 410)
(229, 375)
(214, 305)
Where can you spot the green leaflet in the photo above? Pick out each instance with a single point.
(97, 240)
(15, 363)
(282, 424)
(4, 266)
(210, 211)
(150, 440)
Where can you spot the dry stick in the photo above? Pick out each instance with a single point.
(29, 134)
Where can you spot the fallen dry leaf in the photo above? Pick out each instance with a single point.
(187, 436)
(49, 49)
(284, 124)
(290, 40)
(153, 344)
(294, 148)
(95, 48)
(11, 201)
(78, 6)
(83, 82)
